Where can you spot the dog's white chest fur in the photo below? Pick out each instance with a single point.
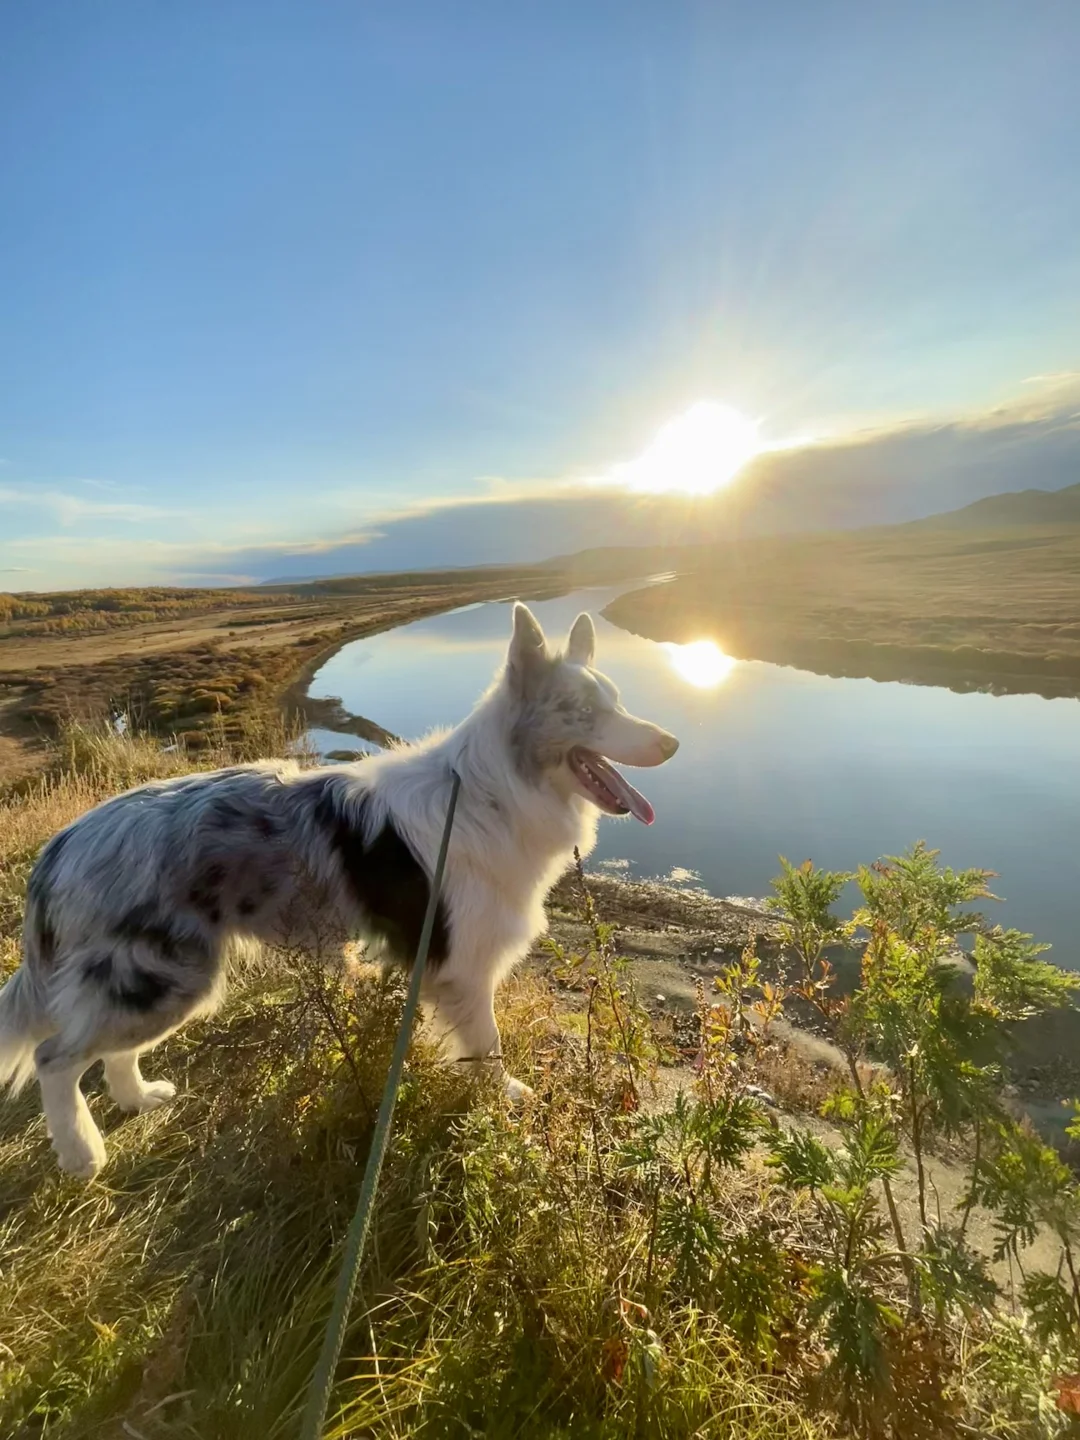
(506, 879)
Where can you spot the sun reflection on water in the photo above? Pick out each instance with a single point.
(701, 663)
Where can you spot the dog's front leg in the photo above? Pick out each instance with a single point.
(464, 1018)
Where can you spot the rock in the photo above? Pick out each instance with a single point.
(755, 1092)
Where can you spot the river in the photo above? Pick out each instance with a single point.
(777, 761)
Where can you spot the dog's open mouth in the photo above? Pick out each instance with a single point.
(605, 787)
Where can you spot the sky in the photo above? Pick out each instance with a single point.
(357, 285)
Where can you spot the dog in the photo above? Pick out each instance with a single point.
(130, 909)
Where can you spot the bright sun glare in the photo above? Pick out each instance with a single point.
(701, 663)
(695, 454)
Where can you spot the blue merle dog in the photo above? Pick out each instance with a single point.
(130, 909)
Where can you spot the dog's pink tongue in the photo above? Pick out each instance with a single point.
(618, 784)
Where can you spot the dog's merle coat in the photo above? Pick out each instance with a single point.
(130, 908)
(242, 845)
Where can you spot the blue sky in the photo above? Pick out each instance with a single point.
(271, 273)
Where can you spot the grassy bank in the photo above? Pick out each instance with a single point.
(947, 606)
(184, 1294)
(647, 1249)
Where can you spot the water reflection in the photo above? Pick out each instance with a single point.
(701, 663)
(776, 760)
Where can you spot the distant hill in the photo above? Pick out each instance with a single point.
(1048, 512)
(1015, 508)
(1009, 520)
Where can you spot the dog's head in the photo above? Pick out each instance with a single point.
(567, 725)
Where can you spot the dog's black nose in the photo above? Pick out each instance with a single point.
(669, 745)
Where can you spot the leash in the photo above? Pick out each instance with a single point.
(322, 1381)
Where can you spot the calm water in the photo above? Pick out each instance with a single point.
(775, 760)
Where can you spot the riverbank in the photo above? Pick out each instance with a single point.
(967, 611)
(679, 939)
(294, 634)
(202, 664)
(677, 942)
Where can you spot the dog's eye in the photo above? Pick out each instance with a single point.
(586, 711)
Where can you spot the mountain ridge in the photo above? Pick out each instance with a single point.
(1010, 508)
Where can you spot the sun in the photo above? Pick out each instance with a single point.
(701, 663)
(696, 454)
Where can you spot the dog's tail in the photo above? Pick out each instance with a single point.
(24, 1015)
(22, 1025)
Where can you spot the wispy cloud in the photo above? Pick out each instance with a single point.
(67, 560)
(68, 509)
(1058, 377)
(201, 579)
(111, 487)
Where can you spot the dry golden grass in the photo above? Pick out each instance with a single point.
(944, 607)
(68, 612)
(201, 665)
(183, 1295)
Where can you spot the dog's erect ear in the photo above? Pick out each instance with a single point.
(581, 647)
(528, 648)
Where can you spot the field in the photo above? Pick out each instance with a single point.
(649, 1248)
(205, 665)
(942, 606)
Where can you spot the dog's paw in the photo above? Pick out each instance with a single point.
(154, 1093)
(136, 1095)
(80, 1155)
(516, 1091)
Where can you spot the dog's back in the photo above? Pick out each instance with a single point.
(129, 908)
(171, 861)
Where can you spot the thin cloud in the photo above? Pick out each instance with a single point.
(224, 578)
(111, 487)
(69, 561)
(67, 509)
